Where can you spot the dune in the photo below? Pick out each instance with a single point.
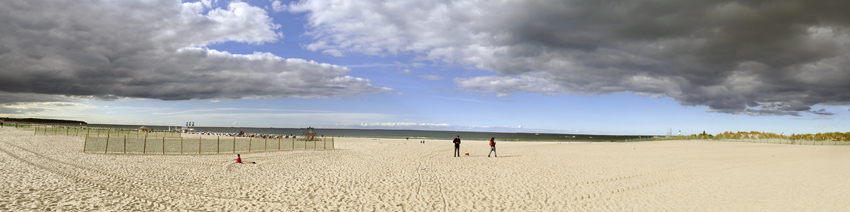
(369, 174)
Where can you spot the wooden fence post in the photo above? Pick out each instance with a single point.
(125, 144)
(278, 143)
(107, 144)
(250, 140)
(145, 145)
(163, 145)
(66, 132)
(234, 144)
(85, 143)
(199, 145)
(181, 145)
(218, 144)
(35, 132)
(45, 130)
(265, 144)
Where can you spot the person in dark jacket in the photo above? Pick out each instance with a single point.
(457, 146)
(492, 147)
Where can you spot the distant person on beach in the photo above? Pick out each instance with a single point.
(239, 159)
(492, 147)
(457, 146)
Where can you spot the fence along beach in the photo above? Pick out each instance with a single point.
(379, 174)
(97, 140)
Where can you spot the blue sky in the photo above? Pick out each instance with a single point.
(434, 65)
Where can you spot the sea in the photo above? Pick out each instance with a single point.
(414, 135)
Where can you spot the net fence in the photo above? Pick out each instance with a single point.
(200, 145)
(157, 142)
(98, 132)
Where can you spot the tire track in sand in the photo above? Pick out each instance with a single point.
(85, 181)
(428, 158)
(128, 186)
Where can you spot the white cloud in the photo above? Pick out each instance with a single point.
(155, 49)
(424, 77)
(822, 117)
(401, 124)
(449, 127)
(429, 77)
(505, 85)
(277, 6)
(333, 52)
(372, 65)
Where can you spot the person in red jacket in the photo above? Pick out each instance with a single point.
(492, 147)
(239, 160)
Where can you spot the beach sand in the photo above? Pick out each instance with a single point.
(363, 174)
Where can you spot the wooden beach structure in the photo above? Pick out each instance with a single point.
(310, 135)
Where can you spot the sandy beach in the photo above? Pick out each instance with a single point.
(50, 173)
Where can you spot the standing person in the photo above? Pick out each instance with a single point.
(457, 146)
(492, 147)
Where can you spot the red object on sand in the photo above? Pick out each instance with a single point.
(239, 160)
(467, 154)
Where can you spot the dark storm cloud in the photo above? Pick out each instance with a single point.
(10, 110)
(27, 103)
(741, 57)
(13, 98)
(153, 49)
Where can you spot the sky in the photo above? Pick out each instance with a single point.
(636, 67)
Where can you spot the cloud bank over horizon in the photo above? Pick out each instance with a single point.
(153, 50)
(737, 57)
(450, 127)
